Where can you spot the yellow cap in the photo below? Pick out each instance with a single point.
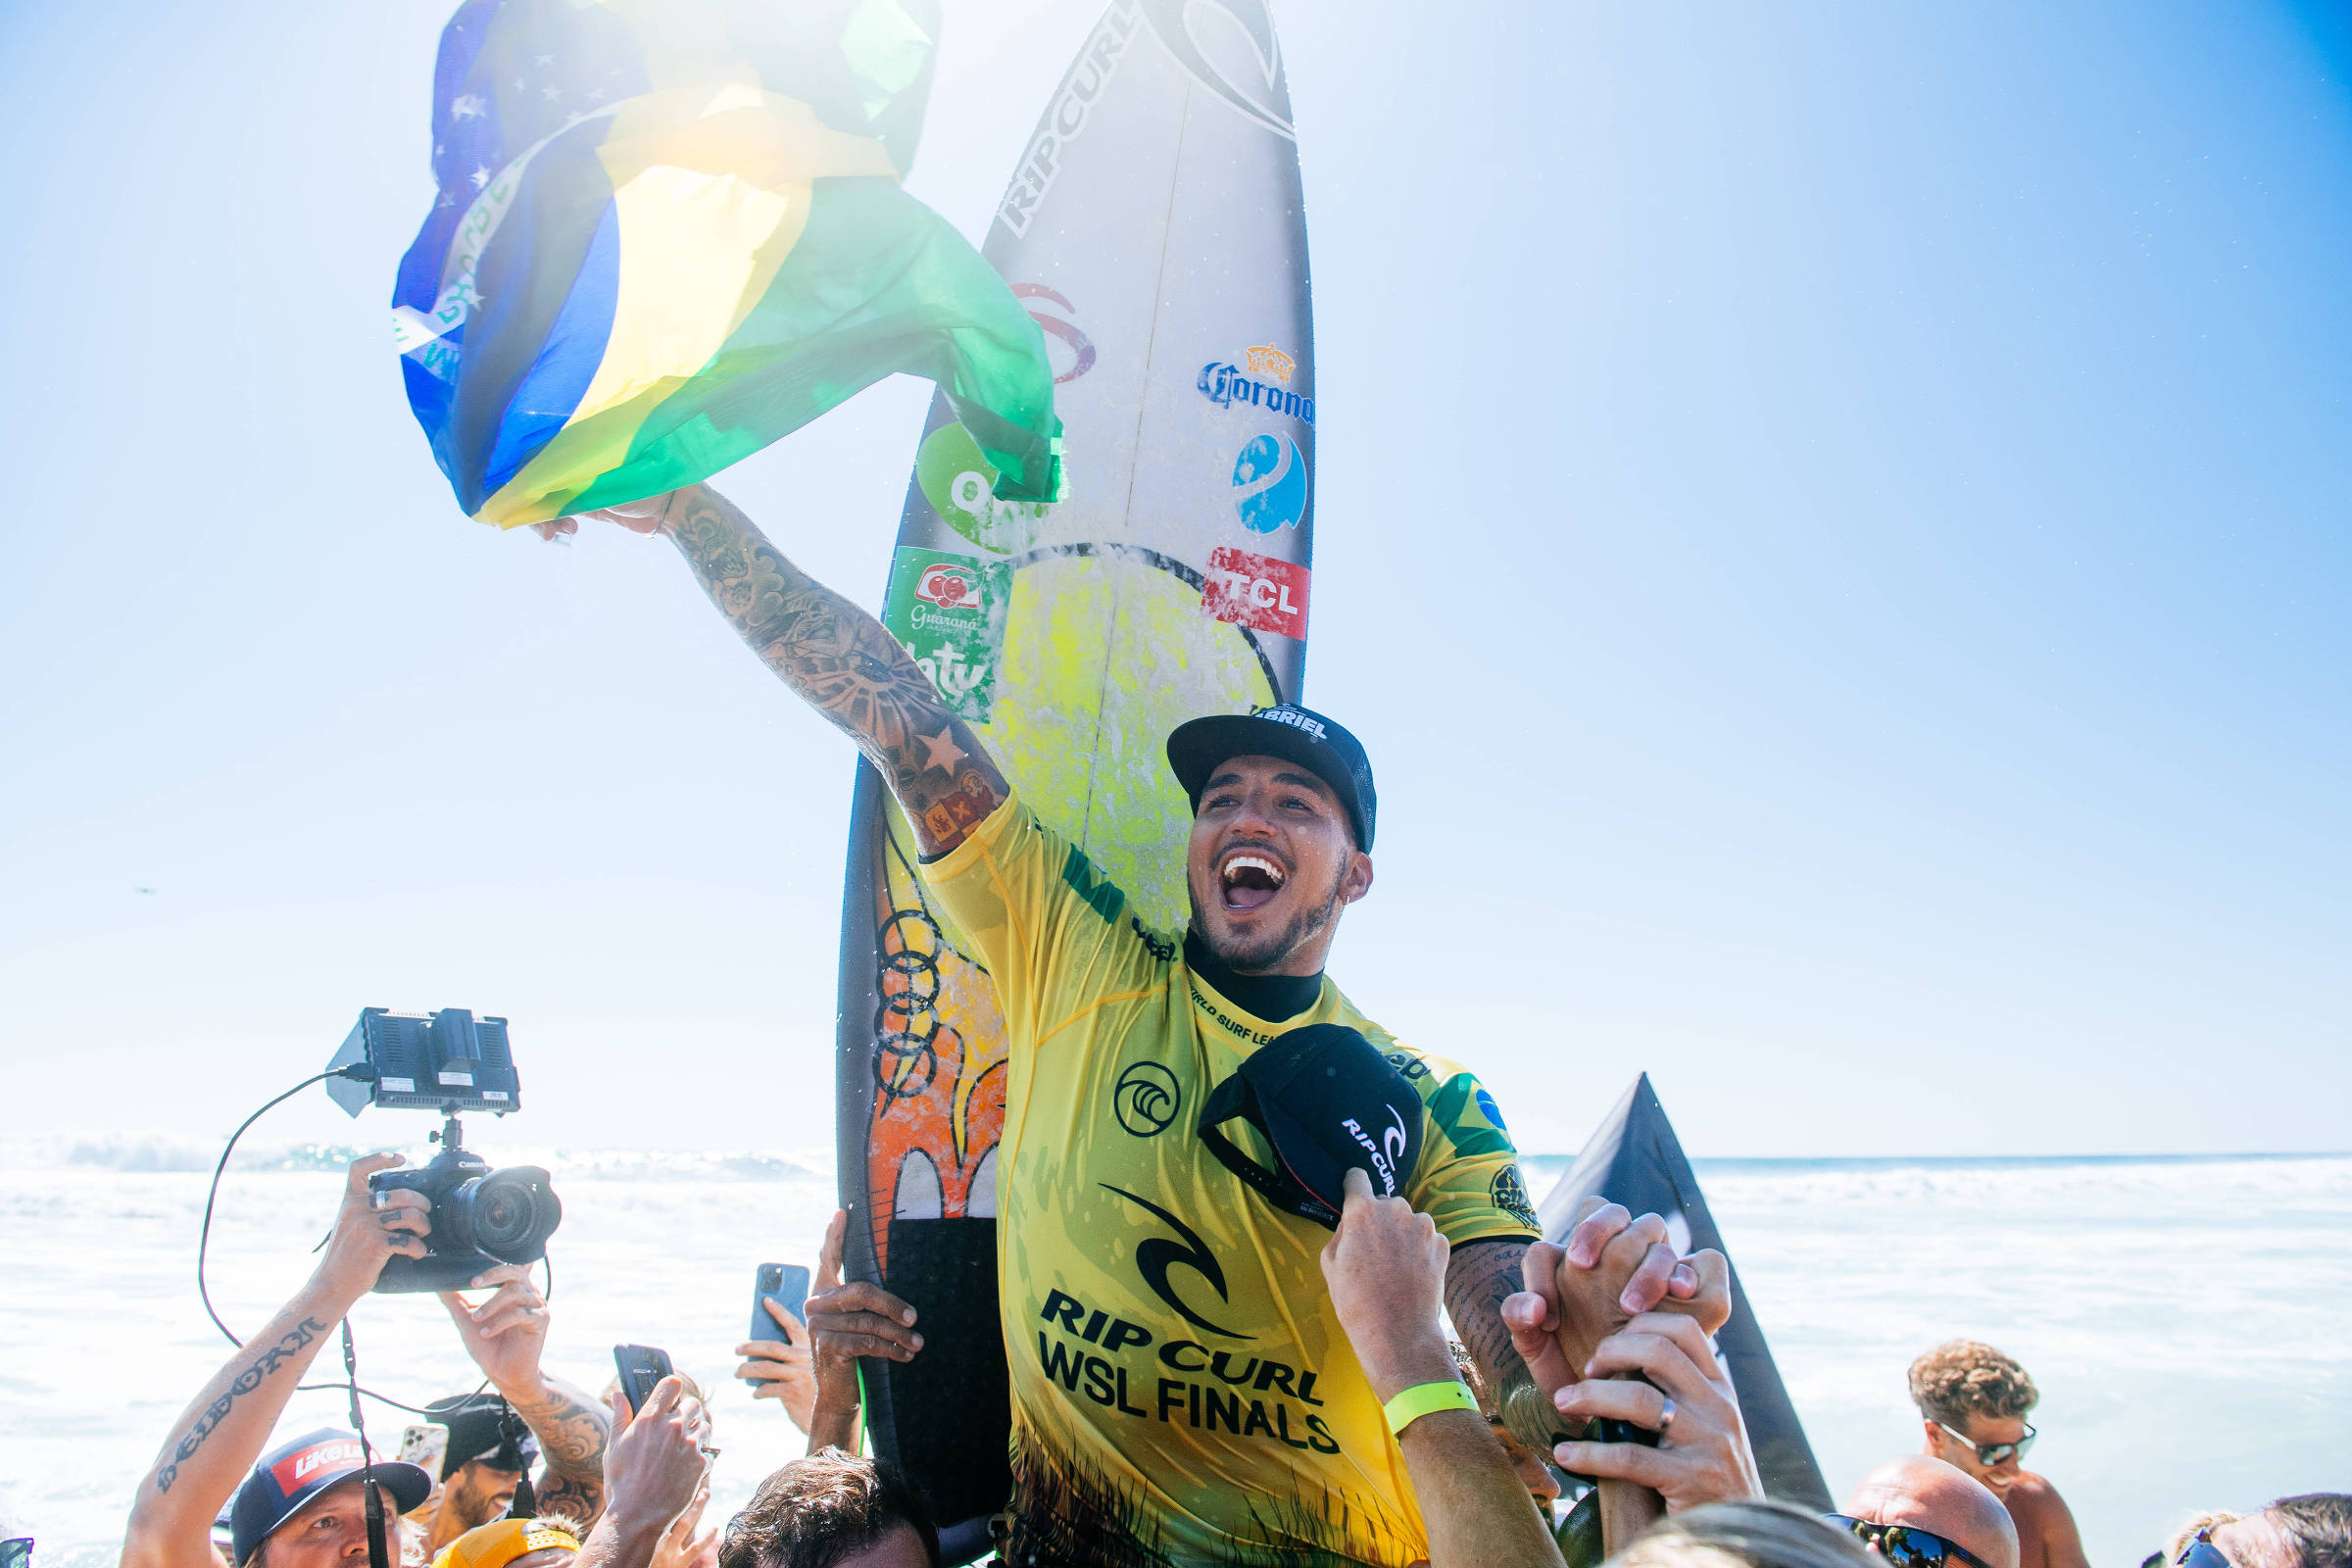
(500, 1542)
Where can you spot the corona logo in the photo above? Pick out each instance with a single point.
(1267, 360)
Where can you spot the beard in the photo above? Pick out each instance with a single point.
(1259, 954)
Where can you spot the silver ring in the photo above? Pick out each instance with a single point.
(1666, 1416)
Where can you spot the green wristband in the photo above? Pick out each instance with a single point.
(1425, 1399)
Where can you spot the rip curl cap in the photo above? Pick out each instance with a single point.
(1320, 745)
(292, 1474)
(1326, 1099)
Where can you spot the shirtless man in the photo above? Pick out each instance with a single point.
(1919, 1509)
(1973, 1401)
(1180, 1388)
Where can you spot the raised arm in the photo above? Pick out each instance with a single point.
(226, 1426)
(839, 658)
(505, 1335)
(1386, 1266)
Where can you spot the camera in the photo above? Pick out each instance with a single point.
(481, 1218)
(449, 1061)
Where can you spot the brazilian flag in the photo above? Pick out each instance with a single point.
(667, 232)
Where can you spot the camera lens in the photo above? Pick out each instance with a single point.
(509, 1213)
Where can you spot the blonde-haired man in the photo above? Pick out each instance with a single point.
(1973, 1401)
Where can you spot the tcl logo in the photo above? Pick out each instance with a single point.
(296, 1470)
(1255, 591)
(951, 587)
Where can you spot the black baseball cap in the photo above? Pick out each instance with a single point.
(480, 1427)
(1326, 1100)
(1301, 735)
(293, 1473)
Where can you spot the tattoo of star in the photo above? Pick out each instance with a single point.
(945, 754)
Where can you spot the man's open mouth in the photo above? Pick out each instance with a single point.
(1249, 881)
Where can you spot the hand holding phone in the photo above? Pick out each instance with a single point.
(640, 1366)
(785, 1283)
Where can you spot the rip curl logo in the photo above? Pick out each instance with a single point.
(1387, 1154)
(1156, 1254)
(1229, 47)
(1145, 1099)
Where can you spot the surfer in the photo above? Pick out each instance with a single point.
(1180, 1388)
(1973, 1402)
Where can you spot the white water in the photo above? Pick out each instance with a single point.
(2185, 1319)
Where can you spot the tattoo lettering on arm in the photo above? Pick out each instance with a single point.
(846, 665)
(209, 1418)
(1477, 1278)
(573, 1433)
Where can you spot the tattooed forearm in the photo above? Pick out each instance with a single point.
(209, 1418)
(844, 664)
(1480, 1276)
(572, 1433)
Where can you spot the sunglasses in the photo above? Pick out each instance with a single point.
(2201, 1552)
(1989, 1454)
(16, 1552)
(1906, 1546)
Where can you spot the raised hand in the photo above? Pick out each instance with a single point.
(856, 1319)
(1702, 1454)
(1615, 1267)
(783, 1368)
(506, 1334)
(656, 1462)
(648, 517)
(1385, 1268)
(370, 1228)
(681, 1546)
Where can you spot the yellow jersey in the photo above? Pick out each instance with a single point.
(1181, 1389)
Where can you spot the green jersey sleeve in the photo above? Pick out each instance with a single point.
(1468, 1179)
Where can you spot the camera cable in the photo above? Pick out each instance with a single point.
(373, 1501)
(357, 1070)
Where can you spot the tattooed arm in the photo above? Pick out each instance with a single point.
(839, 658)
(226, 1426)
(505, 1335)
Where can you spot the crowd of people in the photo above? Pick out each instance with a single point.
(536, 1473)
(1289, 1299)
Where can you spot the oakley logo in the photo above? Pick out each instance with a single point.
(1155, 1256)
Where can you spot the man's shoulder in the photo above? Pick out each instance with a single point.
(2033, 1497)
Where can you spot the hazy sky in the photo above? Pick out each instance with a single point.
(1832, 525)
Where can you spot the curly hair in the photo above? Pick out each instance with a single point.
(1961, 1378)
(818, 1510)
(2319, 1524)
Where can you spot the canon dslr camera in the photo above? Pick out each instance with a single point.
(481, 1218)
(449, 1061)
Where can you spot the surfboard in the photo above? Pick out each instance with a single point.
(1155, 228)
(1636, 1159)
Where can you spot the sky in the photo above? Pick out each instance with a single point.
(1832, 527)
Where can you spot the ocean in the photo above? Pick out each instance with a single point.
(2186, 1318)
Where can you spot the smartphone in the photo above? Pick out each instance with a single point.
(425, 1447)
(641, 1366)
(788, 1285)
